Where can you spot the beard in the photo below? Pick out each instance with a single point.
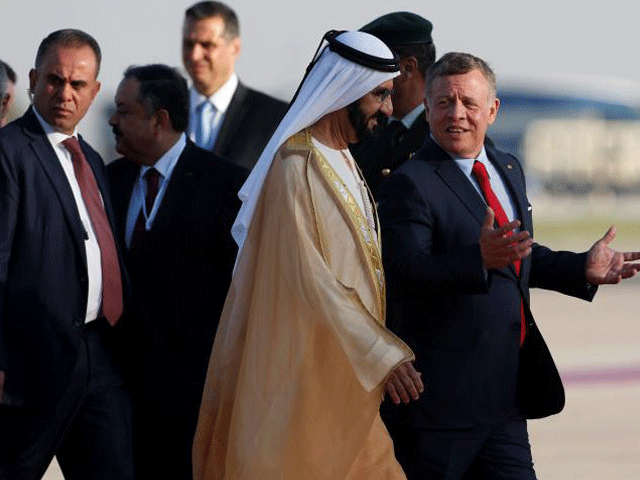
(359, 121)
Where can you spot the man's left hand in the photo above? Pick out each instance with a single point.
(605, 265)
(404, 384)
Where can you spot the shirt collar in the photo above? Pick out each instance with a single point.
(167, 162)
(410, 117)
(466, 164)
(52, 135)
(221, 98)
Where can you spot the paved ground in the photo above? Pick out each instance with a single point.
(596, 347)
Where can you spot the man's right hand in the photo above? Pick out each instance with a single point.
(502, 246)
(2, 376)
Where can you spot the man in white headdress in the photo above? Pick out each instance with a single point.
(302, 358)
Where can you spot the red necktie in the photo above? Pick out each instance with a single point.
(152, 177)
(111, 281)
(480, 172)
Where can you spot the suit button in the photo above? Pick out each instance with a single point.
(385, 172)
(78, 321)
(515, 327)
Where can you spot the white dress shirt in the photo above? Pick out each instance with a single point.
(497, 185)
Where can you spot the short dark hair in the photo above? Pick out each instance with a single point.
(457, 63)
(3, 81)
(11, 74)
(208, 9)
(425, 54)
(163, 88)
(69, 37)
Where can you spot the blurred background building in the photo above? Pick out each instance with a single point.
(572, 138)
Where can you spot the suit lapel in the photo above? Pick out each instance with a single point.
(412, 140)
(513, 180)
(48, 159)
(232, 119)
(182, 174)
(98, 173)
(457, 181)
(123, 179)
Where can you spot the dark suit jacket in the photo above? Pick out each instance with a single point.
(377, 158)
(247, 126)
(43, 267)
(180, 274)
(463, 325)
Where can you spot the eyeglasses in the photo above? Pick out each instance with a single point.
(382, 93)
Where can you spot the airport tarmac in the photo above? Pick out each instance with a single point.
(597, 349)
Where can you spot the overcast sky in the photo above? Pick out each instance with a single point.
(591, 49)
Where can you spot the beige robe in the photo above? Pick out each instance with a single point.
(297, 371)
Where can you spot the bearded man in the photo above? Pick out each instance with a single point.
(302, 357)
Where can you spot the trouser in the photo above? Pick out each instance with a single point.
(89, 428)
(500, 452)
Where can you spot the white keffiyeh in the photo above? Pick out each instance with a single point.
(333, 83)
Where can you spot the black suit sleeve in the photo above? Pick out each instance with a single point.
(9, 205)
(560, 271)
(413, 265)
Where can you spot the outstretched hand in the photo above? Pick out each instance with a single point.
(404, 384)
(605, 265)
(500, 247)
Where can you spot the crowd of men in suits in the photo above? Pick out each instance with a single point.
(113, 278)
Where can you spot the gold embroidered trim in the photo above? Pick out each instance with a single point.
(365, 236)
(299, 141)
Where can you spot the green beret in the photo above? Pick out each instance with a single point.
(400, 28)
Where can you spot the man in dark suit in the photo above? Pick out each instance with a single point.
(61, 278)
(409, 36)
(175, 204)
(458, 289)
(234, 121)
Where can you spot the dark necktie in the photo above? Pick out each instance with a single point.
(111, 280)
(480, 172)
(152, 178)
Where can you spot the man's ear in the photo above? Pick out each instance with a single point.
(163, 121)
(409, 66)
(493, 110)
(236, 46)
(4, 102)
(33, 77)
